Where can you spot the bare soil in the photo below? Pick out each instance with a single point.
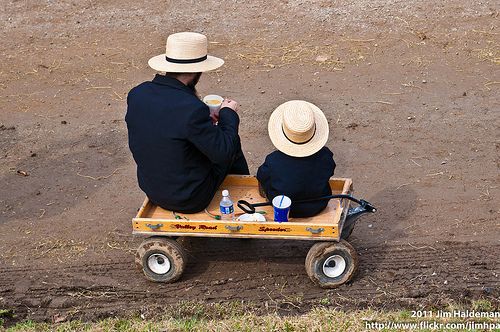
(411, 93)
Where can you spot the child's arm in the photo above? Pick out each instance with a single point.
(263, 176)
(263, 173)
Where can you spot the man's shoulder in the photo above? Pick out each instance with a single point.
(175, 97)
(190, 101)
(139, 89)
(192, 109)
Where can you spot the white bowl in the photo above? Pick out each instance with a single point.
(251, 217)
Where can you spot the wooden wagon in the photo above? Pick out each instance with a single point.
(330, 262)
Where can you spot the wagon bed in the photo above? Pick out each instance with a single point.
(152, 220)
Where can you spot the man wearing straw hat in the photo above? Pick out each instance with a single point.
(181, 156)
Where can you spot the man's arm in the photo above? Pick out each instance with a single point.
(218, 143)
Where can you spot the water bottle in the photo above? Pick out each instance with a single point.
(226, 206)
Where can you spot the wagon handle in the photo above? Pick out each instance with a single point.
(315, 230)
(367, 206)
(234, 228)
(154, 227)
(250, 208)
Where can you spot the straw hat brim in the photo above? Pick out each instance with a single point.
(281, 142)
(160, 63)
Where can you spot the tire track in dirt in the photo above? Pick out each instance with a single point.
(270, 276)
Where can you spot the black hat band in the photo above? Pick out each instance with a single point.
(299, 143)
(203, 58)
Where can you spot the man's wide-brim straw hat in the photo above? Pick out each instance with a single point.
(186, 52)
(298, 128)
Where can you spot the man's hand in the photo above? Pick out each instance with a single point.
(229, 103)
(214, 115)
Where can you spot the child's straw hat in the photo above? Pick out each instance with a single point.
(298, 128)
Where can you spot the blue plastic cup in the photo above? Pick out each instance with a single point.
(281, 206)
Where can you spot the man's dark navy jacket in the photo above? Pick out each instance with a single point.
(176, 146)
(298, 178)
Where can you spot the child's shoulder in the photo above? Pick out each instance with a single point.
(279, 158)
(276, 154)
(326, 151)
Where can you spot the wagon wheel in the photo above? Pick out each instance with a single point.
(331, 264)
(161, 259)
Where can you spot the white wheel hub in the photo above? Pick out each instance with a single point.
(334, 266)
(159, 263)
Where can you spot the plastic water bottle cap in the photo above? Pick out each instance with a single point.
(225, 193)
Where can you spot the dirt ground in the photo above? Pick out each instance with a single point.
(411, 91)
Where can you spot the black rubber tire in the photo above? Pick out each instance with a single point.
(320, 252)
(168, 247)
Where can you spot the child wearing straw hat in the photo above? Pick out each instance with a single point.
(302, 165)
